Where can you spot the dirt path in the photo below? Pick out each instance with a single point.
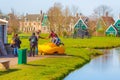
(14, 60)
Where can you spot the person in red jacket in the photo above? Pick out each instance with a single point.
(52, 34)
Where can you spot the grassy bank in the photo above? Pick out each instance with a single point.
(49, 68)
(79, 52)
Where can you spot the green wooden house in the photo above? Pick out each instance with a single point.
(79, 28)
(102, 24)
(111, 31)
(45, 24)
(45, 20)
(117, 26)
(80, 24)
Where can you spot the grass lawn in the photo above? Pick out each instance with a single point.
(78, 50)
(49, 68)
(93, 42)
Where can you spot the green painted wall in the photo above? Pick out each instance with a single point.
(45, 21)
(111, 31)
(80, 24)
(117, 25)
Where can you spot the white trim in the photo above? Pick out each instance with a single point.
(82, 22)
(113, 28)
(2, 20)
(116, 22)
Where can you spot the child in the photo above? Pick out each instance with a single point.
(56, 40)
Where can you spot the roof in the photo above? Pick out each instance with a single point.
(108, 20)
(33, 17)
(84, 18)
(80, 19)
(3, 21)
(116, 22)
(92, 23)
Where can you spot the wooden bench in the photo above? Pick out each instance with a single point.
(4, 64)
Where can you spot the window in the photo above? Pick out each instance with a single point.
(26, 19)
(25, 24)
(39, 23)
(29, 24)
(118, 24)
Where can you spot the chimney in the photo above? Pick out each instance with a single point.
(106, 14)
(26, 14)
(41, 12)
(77, 15)
(80, 15)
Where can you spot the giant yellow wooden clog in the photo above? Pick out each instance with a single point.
(51, 48)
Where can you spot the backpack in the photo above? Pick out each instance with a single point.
(33, 40)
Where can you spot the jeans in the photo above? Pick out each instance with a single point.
(16, 51)
(36, 50)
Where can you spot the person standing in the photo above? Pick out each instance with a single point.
(33, 43)
(38, 36)
(16, 44)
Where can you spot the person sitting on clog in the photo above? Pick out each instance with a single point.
(56, 40)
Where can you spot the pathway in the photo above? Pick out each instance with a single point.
(14, 60)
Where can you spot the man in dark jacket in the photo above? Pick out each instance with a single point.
(33, 43)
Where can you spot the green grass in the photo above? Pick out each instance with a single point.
(94, 42)
(79, 52)
(84, 53)
(49, 68)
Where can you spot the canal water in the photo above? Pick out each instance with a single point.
(105, 67)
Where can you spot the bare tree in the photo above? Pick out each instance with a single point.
(101, 10)
(74, 10)
(56, 17)
(67, 19)
(60, 19)
(13, 22)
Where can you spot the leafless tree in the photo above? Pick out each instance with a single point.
(101, 10)
(13, 22)
(56, 17)
(67, 19)
(74, 10)
(60, 19)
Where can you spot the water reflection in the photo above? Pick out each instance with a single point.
(105, 67)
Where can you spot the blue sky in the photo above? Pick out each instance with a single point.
(34, 6)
